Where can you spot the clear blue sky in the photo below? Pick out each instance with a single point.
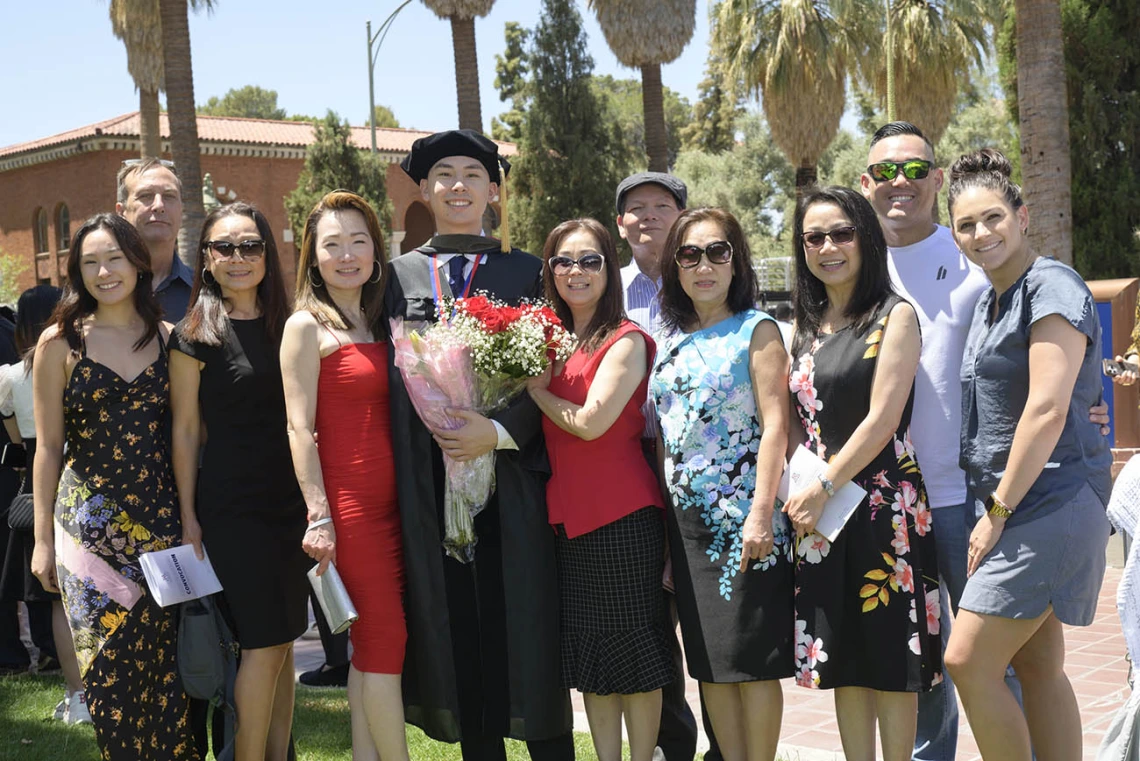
(61, 67)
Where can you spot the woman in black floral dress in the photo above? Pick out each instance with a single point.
(866, 610)
(101, 386)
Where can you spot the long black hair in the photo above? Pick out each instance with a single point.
(207, 320)
(809, 297)
(77, 304)
(33, 313)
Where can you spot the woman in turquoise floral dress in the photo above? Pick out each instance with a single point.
(101, 386)
(719, 385)
(866, 608)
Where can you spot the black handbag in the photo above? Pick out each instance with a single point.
(22, 513)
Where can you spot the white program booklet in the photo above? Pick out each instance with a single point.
(176, 575)
(805, 467)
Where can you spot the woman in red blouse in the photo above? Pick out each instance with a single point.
(603, 498)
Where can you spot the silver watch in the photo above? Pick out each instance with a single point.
(827, 485)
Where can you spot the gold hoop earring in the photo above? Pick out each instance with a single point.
(377, 272)
(313, 283)
(208, 277)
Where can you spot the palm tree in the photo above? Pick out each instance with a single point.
(793, 54)
(461, 14)
(1042, 102)
(933, 43)
(137, 24)
(183, 118)
(644, 34)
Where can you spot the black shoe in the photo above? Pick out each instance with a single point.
(336, 676)
(13, 669)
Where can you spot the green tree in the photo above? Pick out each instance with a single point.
(385, 118)
(511, 70)
(1102, 65)
(137, 24)
(461, 15)
(752, 180)
(11, 270)
(719, 106)
(563, 170)
(332, 162)
(793, 54)
(644, 34)
(622, 100)
(251, 102)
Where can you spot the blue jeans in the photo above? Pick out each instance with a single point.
(937, 736)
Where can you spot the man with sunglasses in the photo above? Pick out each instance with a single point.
(149, 196)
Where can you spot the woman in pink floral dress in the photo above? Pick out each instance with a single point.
(866, 611)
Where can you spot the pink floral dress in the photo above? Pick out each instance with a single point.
(866, 606)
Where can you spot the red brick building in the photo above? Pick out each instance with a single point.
(49, 186)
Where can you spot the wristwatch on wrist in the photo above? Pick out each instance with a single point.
(827, 485)
(997, 508)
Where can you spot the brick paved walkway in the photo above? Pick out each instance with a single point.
(1094, 658)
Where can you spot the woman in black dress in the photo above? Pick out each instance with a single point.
(244, 505)
(866, 605)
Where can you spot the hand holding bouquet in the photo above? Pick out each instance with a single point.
(478, 357)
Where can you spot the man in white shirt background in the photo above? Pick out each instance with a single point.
(927, 269)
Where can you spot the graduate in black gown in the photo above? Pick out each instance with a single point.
(483, 647)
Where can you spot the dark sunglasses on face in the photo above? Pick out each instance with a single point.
(840, 236)
(717, 252)
(912, 169)
(589, 263)
(250, 250)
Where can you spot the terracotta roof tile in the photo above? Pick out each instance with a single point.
(224, 129)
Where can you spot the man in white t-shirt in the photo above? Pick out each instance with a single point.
(927, 269)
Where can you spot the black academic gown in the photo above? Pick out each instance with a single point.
(483, 642)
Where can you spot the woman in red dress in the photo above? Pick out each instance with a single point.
(334, 362)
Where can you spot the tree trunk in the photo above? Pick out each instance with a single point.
(466, 73)
(653, 112)
(806, 175)
(1042, 101)
(183, 124)
(149, 125)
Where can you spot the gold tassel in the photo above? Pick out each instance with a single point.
(504, 224)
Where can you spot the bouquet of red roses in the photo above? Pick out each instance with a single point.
(477, 357)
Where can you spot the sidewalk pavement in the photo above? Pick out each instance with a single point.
(1094, 661)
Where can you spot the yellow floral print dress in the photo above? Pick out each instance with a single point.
(117, 499)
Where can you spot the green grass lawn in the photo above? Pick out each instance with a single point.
(320, 726)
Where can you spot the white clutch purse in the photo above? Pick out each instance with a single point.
(333, 598)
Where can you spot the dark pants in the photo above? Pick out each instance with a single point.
(677, 736)
(492, 748)
(13, 654)
(334, 645)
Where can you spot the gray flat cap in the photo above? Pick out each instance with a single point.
(667, 181)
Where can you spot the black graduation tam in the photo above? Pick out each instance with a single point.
(428, 151)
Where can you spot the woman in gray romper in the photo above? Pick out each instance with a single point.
(1039, 471)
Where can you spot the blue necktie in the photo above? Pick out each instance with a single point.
(455, 267)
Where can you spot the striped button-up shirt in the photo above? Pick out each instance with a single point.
(641, 303)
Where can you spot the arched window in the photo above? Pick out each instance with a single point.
(63, 228)
(40, 230)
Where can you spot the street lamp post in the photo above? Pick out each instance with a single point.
(374, 43)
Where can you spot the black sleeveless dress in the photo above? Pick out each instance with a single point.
(116, 500)
(248, 503)
(867, 612)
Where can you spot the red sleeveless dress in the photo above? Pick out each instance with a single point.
(354, 440)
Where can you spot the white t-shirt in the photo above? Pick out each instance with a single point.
(16, 398)
(943, 286)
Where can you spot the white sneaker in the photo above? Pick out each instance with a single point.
(77, 712)
(60, 711)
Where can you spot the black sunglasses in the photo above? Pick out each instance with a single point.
(912, 169)
(589, 263)
(840, 236)
(717, 252)
(250, 250)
